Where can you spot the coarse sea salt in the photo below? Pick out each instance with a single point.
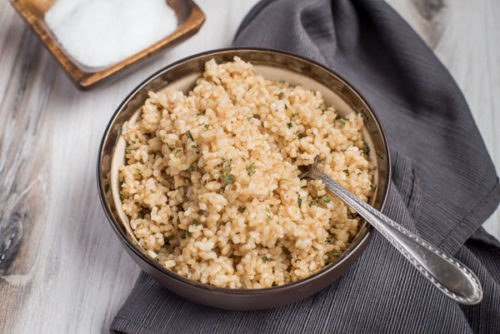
(100, 33)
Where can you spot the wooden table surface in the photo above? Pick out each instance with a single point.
(70, 274)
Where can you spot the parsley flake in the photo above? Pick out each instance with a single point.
(366, 148)
(250, 170)
(229, 178)
(190, 135)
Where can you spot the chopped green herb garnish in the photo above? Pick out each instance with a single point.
(286, 107)
(191, 168)
(366, 148)
(177, 151)
(131, 148)
(288, 180)
(106, 187)
(197, 152)
(242, 209)
(328, 241)
(166, 241)
(346, 171)
(280, 95)
(344, 121)
(137, 170)
(200, 114)
(301, 135)
(287, 276)
(122, 197)
(193, 146)
(133, 141)
(249, 118)
(190, 135)
(268, 219)
(298, 259)
(206, 126)
(188, 234)
(326, 199)
(205, 183)
(299, 201)
(295, 114)
(289, 124)
(333, 253)
(157, 259)
(304, 186)
(265, 259)
(195, 223)
(171, 148)
(123, 179)
(372, 187)
(317, 200)
(250, 170)
(310, 203)
(229, 179)
(243, 159)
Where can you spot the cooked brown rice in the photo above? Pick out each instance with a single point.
(211, 187)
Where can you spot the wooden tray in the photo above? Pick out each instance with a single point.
(190, 19)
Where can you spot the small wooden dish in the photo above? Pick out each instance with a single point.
(190, 19)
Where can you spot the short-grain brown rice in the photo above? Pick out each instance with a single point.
(210, 182)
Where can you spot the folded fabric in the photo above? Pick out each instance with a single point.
(444, 185)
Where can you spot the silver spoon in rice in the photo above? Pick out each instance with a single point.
(450, 276)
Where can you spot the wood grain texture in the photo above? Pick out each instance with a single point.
(32, 11)
(71, 274)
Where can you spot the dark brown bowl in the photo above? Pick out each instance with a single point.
(275, 65)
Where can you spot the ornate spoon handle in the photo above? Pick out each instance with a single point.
(450, 276)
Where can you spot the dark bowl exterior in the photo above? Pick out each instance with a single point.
(243, 299)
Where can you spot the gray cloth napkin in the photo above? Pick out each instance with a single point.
(444, 186)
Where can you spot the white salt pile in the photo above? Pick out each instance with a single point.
(99, 33)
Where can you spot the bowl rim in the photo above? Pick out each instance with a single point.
(214, 289)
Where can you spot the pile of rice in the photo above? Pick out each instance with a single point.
(211, 186)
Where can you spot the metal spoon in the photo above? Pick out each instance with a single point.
(450, 276)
